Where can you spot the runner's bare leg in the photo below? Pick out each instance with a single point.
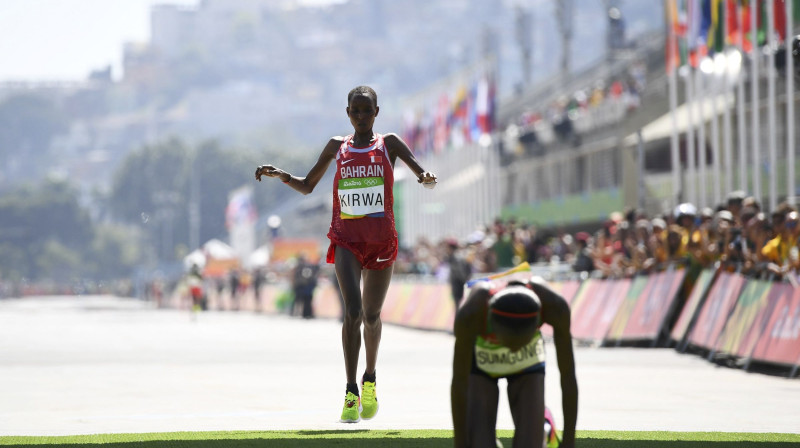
(376, 284)
(526, 399)
(348, 272)
(482, 398)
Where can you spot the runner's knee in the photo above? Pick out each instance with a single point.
(372, 319)
(354, 314)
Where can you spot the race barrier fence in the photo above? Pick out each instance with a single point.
(721, 314)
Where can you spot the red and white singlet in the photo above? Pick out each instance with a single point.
(362, 195)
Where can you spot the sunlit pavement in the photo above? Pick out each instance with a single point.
(84, 365)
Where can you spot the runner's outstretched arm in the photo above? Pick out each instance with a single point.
(399, 149)
(306, 184)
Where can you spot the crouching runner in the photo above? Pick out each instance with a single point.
(497, 336)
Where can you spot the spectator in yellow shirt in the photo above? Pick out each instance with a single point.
(777, 250)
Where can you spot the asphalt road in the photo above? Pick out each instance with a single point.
(86, 365)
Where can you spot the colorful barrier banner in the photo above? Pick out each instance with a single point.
(777, 293)
(589, 288)
(780, 342)
(699, 291)
(568, 289)
(586, 289)
(608, 310)
(419, 305)
(715, 310)
(640, 286)
(326, 301)
(398, 299)
(592, 316)
(650, 315)
(750, 302)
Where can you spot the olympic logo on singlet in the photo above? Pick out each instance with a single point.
(360, 197)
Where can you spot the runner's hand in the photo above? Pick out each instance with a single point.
(427, 179)
(270, 171)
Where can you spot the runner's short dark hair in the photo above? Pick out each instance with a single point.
(363, 91)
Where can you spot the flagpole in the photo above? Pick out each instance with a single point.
(726, 114)
(715, 150)
(754, 102)
(672, 47)
(701, 137)
(790, 123)
(691, 175)
(740, 99)
(772, 120)
(674, 148)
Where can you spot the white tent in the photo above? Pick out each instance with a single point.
(218, 250)
(196, 257)
(259, 257)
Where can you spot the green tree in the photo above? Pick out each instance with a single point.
(57, 262)
(155, 185)
(115, 251)
(41, 221)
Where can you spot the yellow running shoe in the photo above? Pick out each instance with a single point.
(370, 401)
(352, 409)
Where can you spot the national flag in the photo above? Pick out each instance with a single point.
(734, 12)
(706, 21)
(482, 104)
(716, 37)
(681, 33)
(761, 22)
(458, 118)
(441, 130)
(672, 52)
(473, 129)
(376, 159)
(695, 32)
(460, 104)
(485, 103)
(780, 16)
(240, 209)
(779, 10)
(743, 25)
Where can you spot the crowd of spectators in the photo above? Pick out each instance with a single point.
(735, 236)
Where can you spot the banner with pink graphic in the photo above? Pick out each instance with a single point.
(715, 310)
(648, 318)
(780, 341)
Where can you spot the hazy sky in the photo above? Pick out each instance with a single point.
(65, 39)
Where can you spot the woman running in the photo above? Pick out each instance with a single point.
(362, 234)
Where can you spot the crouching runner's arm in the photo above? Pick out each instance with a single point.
(556, 313)
(466, 329)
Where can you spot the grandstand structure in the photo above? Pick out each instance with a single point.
(551, 173)
(560, 159)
